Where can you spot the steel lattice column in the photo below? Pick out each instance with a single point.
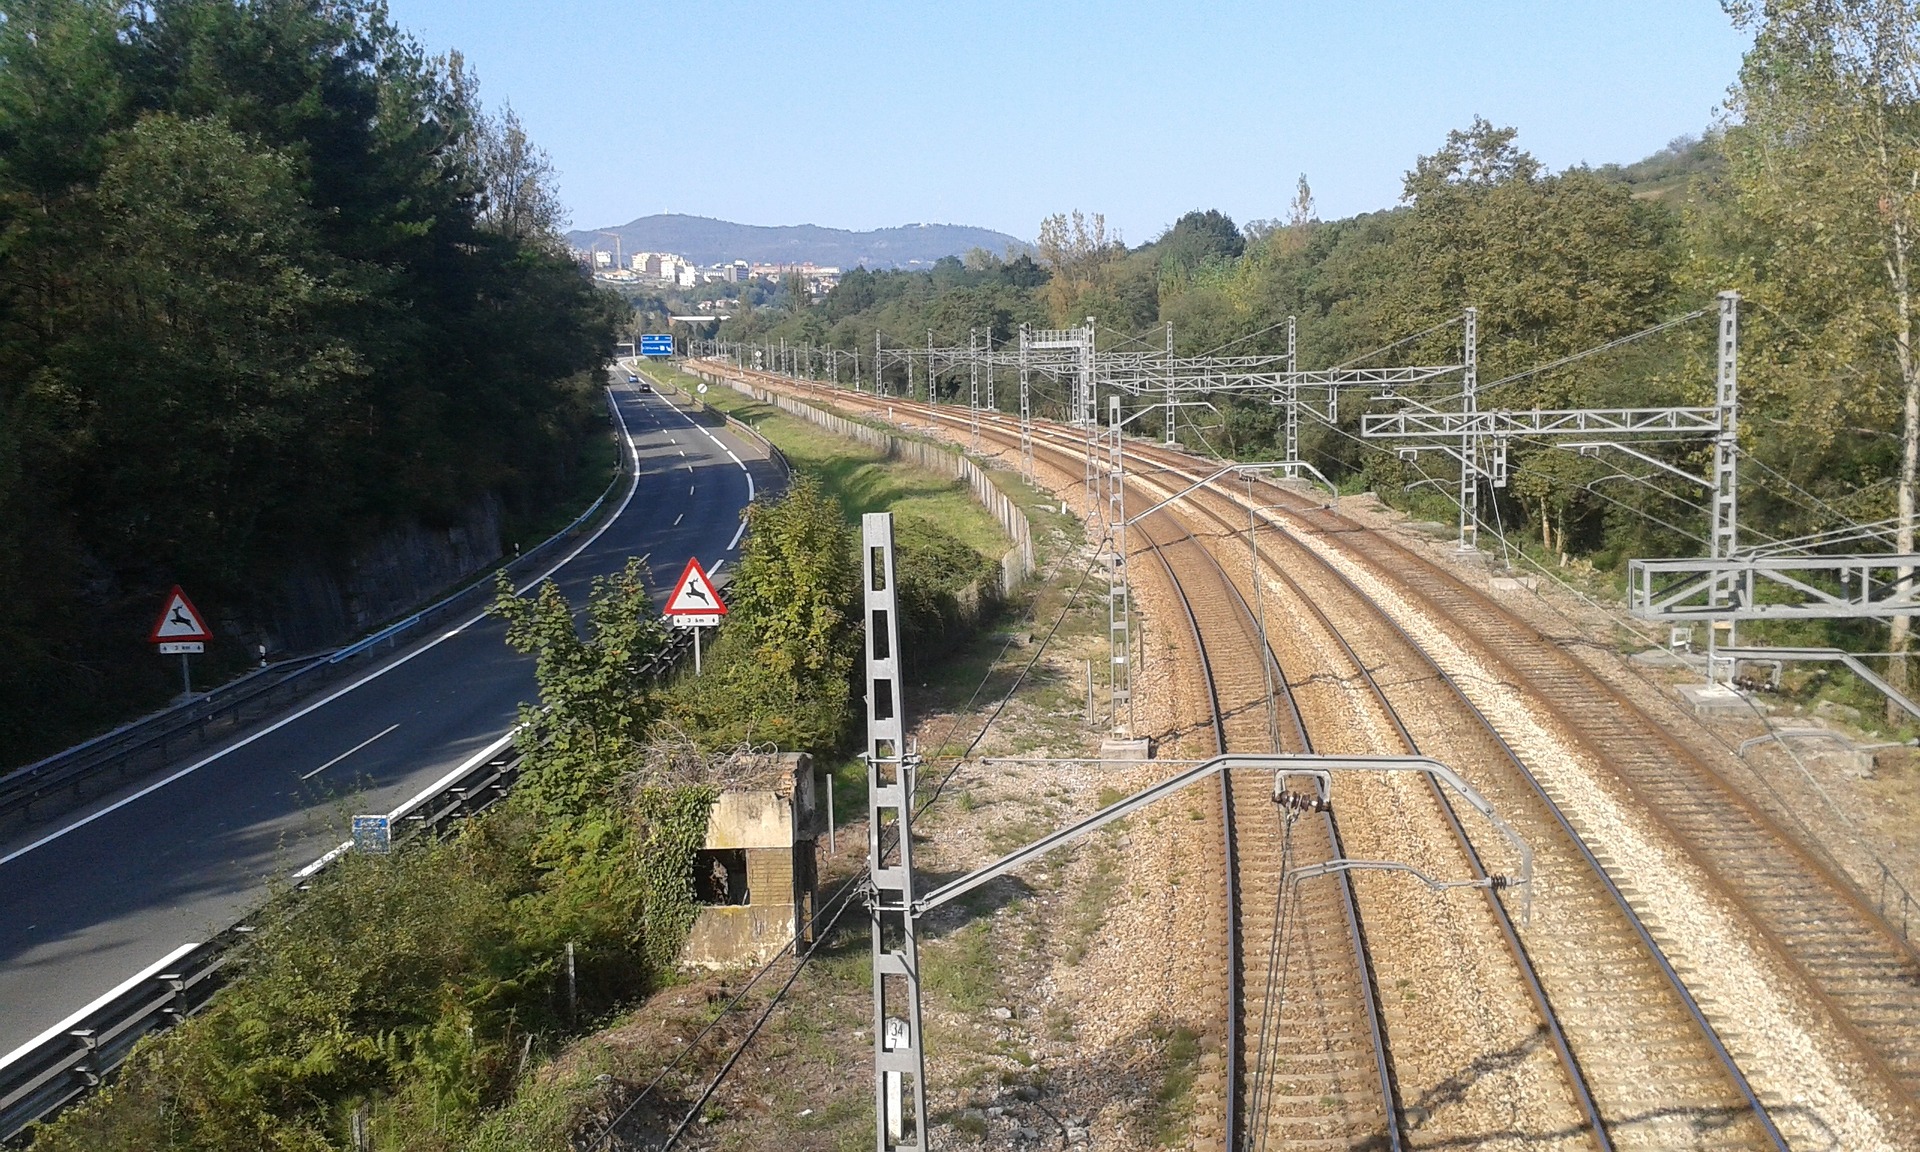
(1470, 444)
(1119, 599)
(899, 1066)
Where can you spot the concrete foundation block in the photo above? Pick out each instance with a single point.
(1720, 700)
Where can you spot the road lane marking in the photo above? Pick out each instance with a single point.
(677, 519)
(418, 798)
(73, 1021)
(347, 753)
(689, 488)
(633, 450)
(737, 533)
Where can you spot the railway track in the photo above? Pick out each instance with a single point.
(1648, 1068)
(1605, 967)
(1309, 1062)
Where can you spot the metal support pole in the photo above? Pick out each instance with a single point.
(1172, 438)
(1469, 443)
(1293, 408)
(973, 384)
(899, 1065)
(1026, 413)
(1725, 543)
(186, 678)
(1119, 603)
(1083, 395)
(876, 362)
(932, 393)
(988, 348)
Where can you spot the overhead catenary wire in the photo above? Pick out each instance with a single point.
(1596, 350)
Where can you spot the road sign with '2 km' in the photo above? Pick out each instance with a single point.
(694, 603)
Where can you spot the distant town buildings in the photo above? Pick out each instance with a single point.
(668, 270)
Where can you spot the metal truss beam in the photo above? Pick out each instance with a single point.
(1799, 587)
(1424, 423)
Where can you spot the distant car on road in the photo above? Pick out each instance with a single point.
(632, 379)
(645, 387)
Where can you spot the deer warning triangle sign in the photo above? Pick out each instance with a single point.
(694, 595)
(179, 620)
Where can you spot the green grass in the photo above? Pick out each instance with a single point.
(961, 968)
(860, 478)
(1172, 1098)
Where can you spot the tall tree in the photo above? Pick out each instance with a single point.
(1825, 168)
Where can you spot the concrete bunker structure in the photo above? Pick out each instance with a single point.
(756, 877)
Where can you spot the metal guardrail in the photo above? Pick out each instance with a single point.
(63, 1063)
(68, 779)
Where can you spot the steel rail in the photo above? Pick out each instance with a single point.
(1536, 990)
(1234, 966)
(1370, 993)
(1072, 449)
(1711, 1037)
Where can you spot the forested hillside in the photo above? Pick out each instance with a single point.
(271, 281)
(1802, 198)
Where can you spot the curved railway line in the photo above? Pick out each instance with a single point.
(1307, 1059)
(1655, 1057)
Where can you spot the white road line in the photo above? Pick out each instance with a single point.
(347, 753)
(737, 533)
(689, 489)
(677, 519)
(418, 798)
(190, 769)
(127, 985)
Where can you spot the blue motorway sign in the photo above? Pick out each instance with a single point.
(373, 834)
(656, 344)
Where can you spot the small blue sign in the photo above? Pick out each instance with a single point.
(373, 834)
(656, 344)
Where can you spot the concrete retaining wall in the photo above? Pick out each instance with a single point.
(1016, 567)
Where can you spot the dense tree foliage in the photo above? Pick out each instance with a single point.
(1803, 198)
(270, 281)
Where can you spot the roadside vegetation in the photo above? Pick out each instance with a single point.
(422, 992)
(272, 282)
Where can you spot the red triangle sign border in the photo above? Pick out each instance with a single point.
(695, 577)
(177, 602)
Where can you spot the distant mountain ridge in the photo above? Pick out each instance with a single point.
(707, 241)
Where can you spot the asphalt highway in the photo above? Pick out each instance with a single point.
(103, 893)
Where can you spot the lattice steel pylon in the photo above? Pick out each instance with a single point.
(1470, 469)
(1725, 539)
(973, 385)
(898, 1054)
(1119, 598)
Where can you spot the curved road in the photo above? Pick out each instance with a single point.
(112, 889)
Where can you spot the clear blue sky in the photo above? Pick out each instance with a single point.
(867, 115)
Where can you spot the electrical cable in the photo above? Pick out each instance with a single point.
(1595, 350)
(841, 895)
(1365, 356)
(1001, 706)
(1058, 619)
(740, 1049)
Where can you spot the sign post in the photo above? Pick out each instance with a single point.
(180, 630)
(695, 604)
